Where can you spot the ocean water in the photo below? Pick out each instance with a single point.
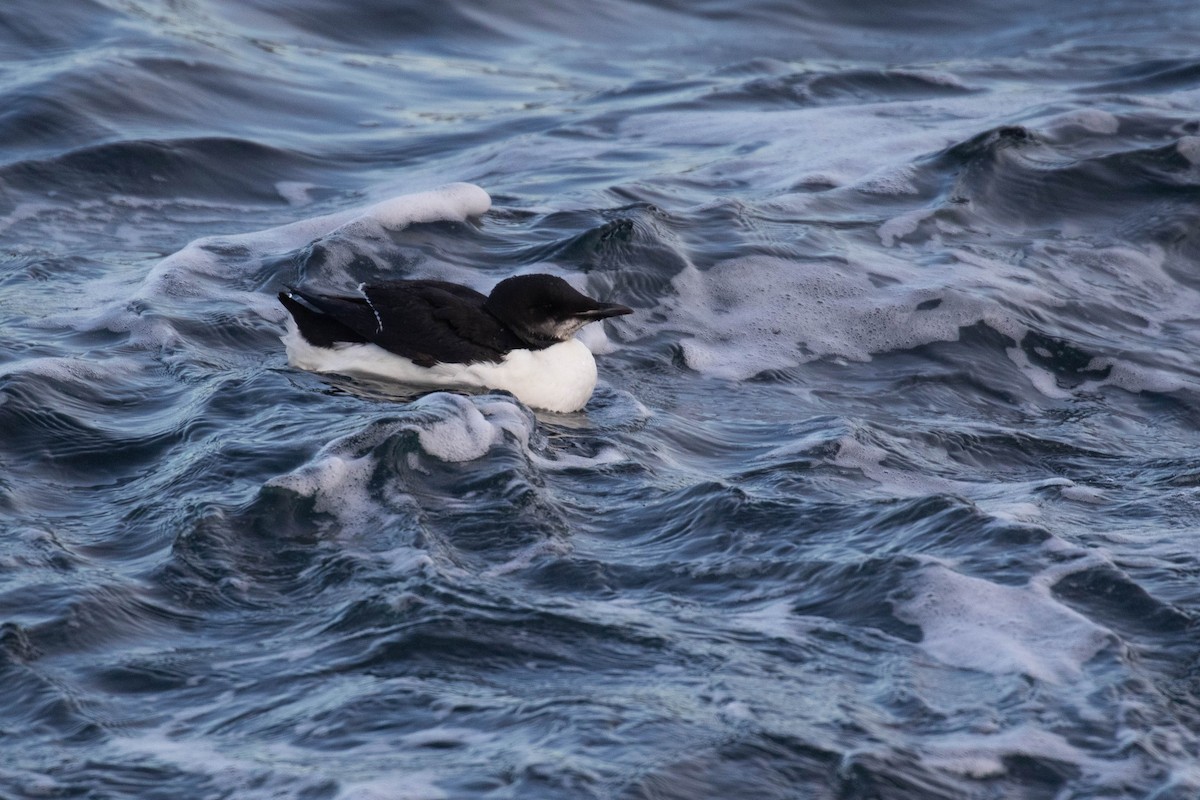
(890, 488)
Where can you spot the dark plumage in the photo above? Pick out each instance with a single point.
(431, 322)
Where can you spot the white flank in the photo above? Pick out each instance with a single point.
(559, 378)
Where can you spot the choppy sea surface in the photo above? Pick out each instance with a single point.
(890, 488)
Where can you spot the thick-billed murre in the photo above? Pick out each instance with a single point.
(428, 333)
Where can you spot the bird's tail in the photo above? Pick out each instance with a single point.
(318, 328)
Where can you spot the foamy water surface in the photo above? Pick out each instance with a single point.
(888, 489)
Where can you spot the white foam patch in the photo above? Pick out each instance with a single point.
(743, 316)
(975, 624)
(1083, 494)
(1043, 380)
(453, 202)
(1131, 278)
(296, 193)
(1138, 378)
(465, 434)
(340, 483)
(758, 313)
(449, 427)
(890, 182)
(340, 474)
(896, 228)
(349, 483)
(983, 756)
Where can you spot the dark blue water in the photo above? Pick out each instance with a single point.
(890, 488)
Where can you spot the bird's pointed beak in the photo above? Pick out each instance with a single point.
(603, 311)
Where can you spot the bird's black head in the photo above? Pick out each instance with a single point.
(544, 309)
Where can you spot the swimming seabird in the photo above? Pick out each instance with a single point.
(429, 333)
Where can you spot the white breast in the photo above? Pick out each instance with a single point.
(559, 378)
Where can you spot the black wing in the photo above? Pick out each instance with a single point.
(319, 328)
(425, 321)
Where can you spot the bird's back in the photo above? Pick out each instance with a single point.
(426, 321)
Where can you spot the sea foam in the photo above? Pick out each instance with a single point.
(752, 314)
(448, 427)
(232, 269)
(975, 624)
